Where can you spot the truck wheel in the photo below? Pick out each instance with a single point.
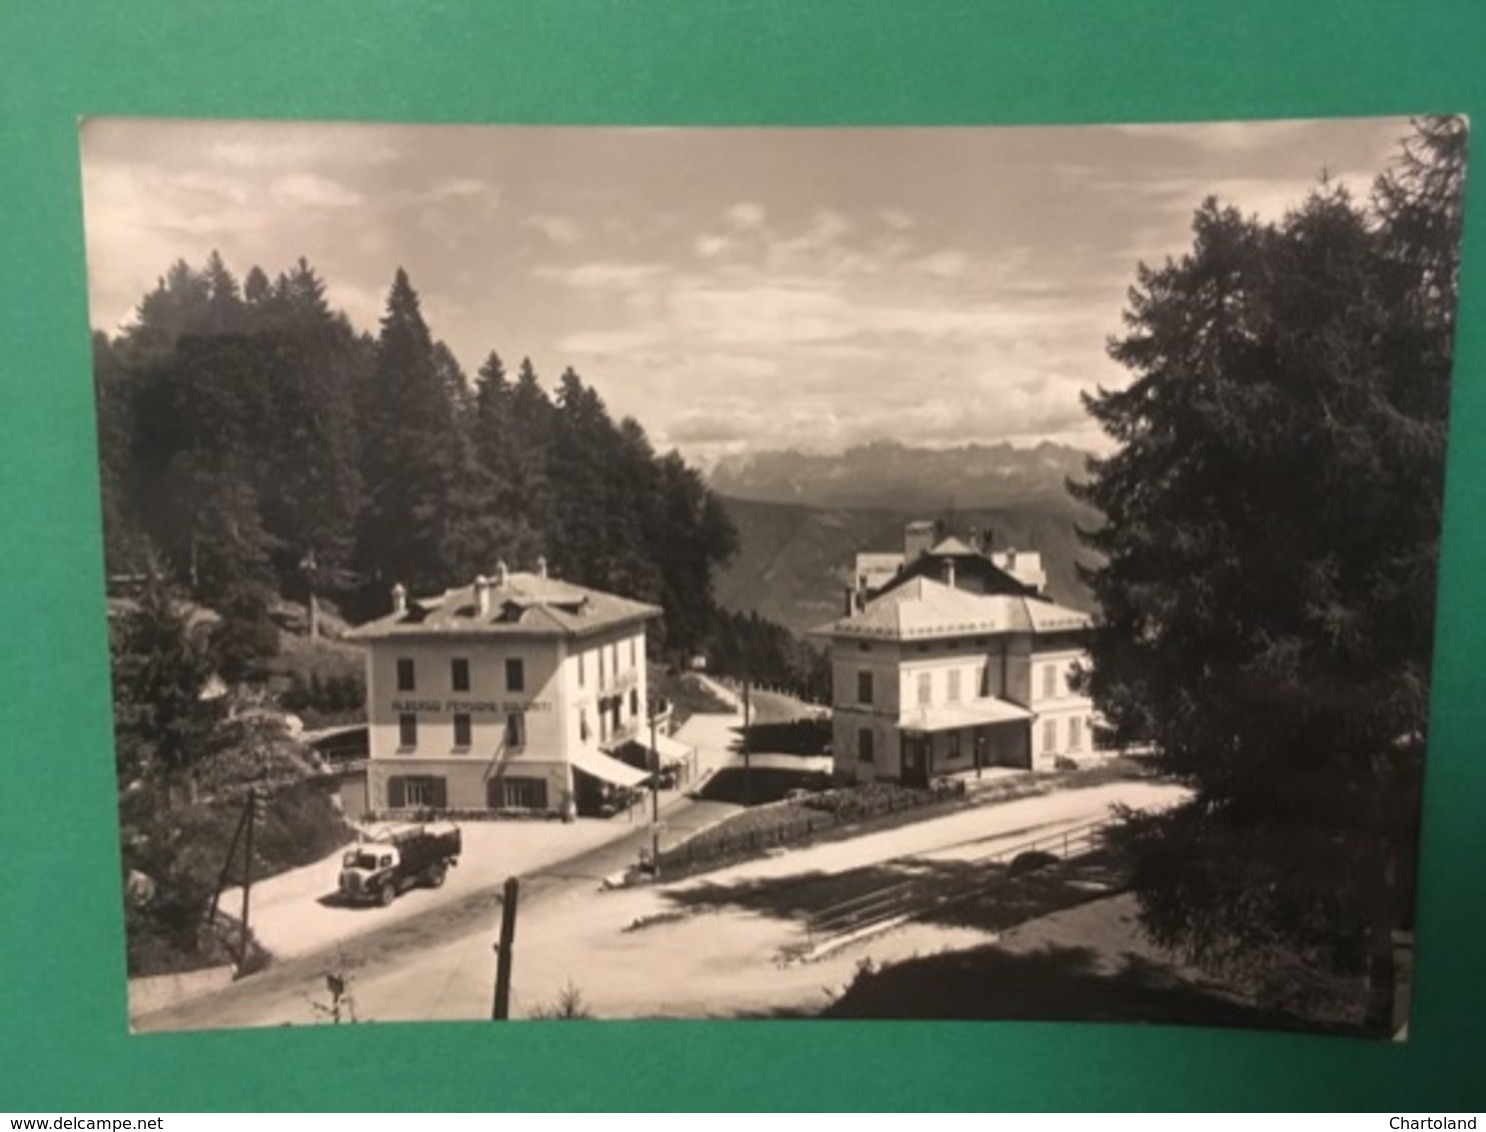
(388, 894)
(436, 876)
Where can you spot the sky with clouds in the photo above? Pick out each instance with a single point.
(735, 290)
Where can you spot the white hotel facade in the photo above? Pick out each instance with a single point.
(507, 694)
(931, 678)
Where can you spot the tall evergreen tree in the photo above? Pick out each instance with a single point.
(1270, 540)
(410, 452)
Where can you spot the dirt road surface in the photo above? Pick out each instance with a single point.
(650, 952)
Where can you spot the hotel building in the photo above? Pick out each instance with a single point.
(507, 694)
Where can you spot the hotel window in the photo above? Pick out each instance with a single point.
(1075, 733)
(462, 729)
(1049, 681)
(404, 674)
(459, 674)
(516, 730)
(925, 688)
(407, 731)
(515, 675)
(953, 694)
(1050, 735)
(864, 745)
(953, 751)
(634, 703)
(864, 687)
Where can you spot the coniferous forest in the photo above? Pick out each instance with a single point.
(254, 443)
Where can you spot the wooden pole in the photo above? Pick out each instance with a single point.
(242, 951)
(242, 820)
(654, 803)
(501, 1011)
(747, 770)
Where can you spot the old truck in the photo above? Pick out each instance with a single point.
(396, 858)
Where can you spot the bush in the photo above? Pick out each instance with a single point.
(1030, 862)
(569, 1007)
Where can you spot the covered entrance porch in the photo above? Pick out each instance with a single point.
(954, 738)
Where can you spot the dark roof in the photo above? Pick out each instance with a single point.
(969, 565)
(525, 605)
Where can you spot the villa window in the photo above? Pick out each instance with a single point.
(405, 682)
(864, 687)
(459, 674)
(1050, 736)
(925, 689)
(407, 731)
(515, 674)
(462, 729)
(953, 694)
(864, 746)
(1049, 681)
(516, 730)
(1075, 733)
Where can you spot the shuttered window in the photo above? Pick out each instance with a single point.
(407, 731)
(461, 729)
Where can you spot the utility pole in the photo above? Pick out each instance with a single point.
(501, 1010)
(242, 951)
(242, 821)
(654, 800)
(747, 770)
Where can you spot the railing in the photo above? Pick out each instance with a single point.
(917, 896)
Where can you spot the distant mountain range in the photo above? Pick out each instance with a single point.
(896, 477)
(802, 518)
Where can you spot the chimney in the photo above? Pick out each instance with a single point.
(917, 538)
(502, 575)
(541, 565)
(949, 571)
(482, 595)
(399, 599)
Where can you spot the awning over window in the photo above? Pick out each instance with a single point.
(952, 717)
(607, 769)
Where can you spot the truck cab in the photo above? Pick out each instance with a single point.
(396, 858)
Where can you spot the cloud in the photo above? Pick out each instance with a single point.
(310, 190)
(560, 230)
(746, 216)
(601, 275)
(1223, 137)
(896, 219)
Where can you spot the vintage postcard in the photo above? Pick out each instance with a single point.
(591, 573)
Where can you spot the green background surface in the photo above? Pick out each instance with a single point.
(64, 1045)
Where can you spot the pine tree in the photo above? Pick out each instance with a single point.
(1270, 539)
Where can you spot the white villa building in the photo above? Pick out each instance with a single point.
(940, 675)
(507, 694)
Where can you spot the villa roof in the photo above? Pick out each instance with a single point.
(524, 605)
(922, 608)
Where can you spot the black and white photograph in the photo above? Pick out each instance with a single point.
(935, 573)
